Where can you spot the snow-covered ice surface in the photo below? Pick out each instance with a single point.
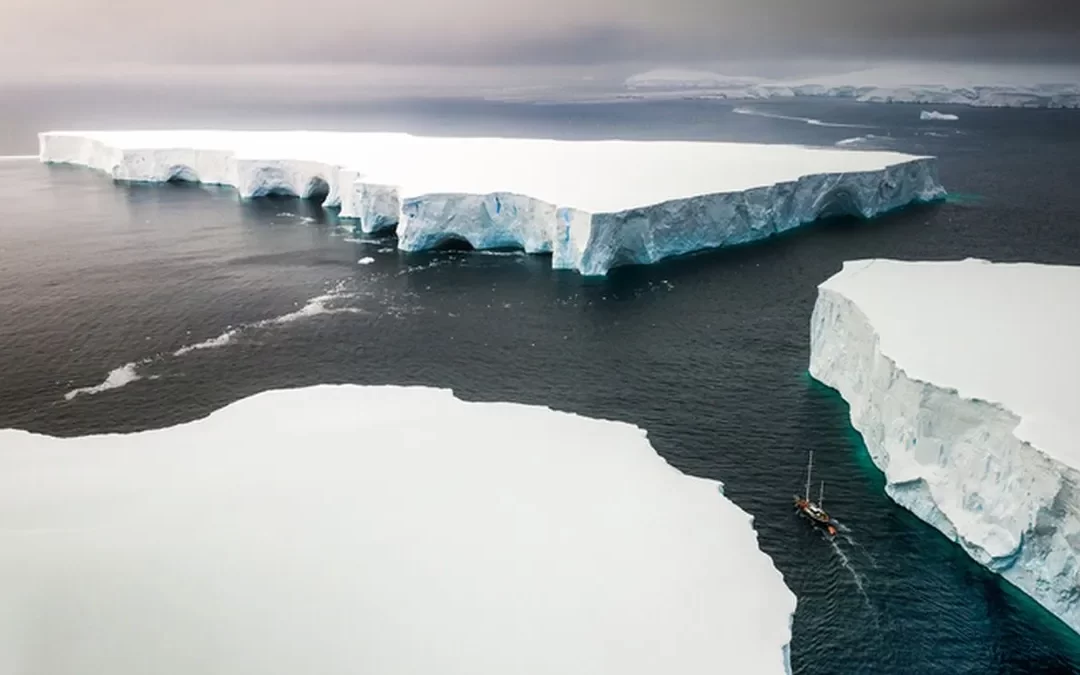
(592, 205)
(935, 115)
(685, 78)
(996, 85)
(964, 380)
(346, 529)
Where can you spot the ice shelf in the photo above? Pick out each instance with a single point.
(592, 205)
(978, 85)
(343, 529)
(964, 380)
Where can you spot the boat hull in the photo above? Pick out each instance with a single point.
(820, 519)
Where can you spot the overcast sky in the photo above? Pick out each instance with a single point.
(36, 33)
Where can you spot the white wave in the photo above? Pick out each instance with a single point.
(426, 266)
(862, 139)
(366, 260)
(17, 158)
(290, 214)
(314, 307)
(805, 120)
(845, 562)
(213, 343)
(501, 253)
(319, 305)
(118, 377)
(307, 311)
(387, 249)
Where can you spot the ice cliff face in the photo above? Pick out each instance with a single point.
(647, 235)
(594, 243)
(983, 474)
(591, 205)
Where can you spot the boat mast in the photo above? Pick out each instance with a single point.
(808, 465)
(821, 494)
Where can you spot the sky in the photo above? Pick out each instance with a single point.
(37, 34)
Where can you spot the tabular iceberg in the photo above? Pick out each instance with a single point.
(592, 205)
(962, 378)
(926, 115)
(348, 529)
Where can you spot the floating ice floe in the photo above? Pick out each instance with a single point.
(964, 380)
(933, 115)
(346, 529)
(592, 205)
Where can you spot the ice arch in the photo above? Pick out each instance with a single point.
(181, 173)
(317, 190)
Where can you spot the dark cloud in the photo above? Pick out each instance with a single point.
(509, 32)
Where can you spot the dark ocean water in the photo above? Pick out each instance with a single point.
(708, 353)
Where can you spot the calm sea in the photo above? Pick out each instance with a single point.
(186, 299)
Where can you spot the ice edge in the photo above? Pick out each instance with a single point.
(589, 243)
(1020, 529)
(329, 400)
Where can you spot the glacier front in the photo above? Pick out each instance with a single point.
(343, 529)
(978, 85)
(592, 205)
(963, 378)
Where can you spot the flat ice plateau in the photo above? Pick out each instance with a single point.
(592, 205)
(343, 529)
(964, 380)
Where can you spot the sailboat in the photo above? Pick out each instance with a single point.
(813, 511)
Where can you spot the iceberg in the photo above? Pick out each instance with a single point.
(962, 84)
(962, 378)
(666, 78)
(349, 529)
(935, 115)
(592, 205)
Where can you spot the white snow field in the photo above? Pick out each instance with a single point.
(592, 205)
(343, 529)
(997, 85)
(964, 380)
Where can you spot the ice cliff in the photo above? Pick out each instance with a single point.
(592, 205)
(964, 380)
(394, 530)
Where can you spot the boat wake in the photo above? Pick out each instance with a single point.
(856, 577)
(845, 533)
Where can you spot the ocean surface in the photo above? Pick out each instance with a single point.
(128, 307)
